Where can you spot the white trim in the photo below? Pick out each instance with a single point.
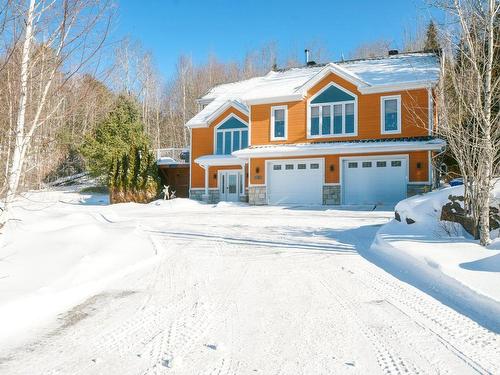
(429, 168)
(238, 173)
(257, 185)
(338, 148)
(272, 124)
(276, 99)
(228, 104)
(204, 189)
(219, 160)
(383, 99)
(331, 184)
(406, 157)
(224, 131)
(393, 87)
(331, 104)
(339, 71)
(430, 111)
(320, 161)
(249, 126)
(191, 161)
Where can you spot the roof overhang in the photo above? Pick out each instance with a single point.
(339, 148)
(275, 99)
(397, 87)
(332, 68)
(219, 160)
(219, 111)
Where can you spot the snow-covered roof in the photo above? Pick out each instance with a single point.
(219, 160)
(392, 73)
(337, 147)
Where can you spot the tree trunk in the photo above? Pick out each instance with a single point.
(20, 139)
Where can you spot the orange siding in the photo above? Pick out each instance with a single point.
(415, 174)
(414, 115)
(202, 143)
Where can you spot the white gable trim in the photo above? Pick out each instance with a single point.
(332, 68)
(235, 129)
(308, 120)
(218, 112)
(397, 87)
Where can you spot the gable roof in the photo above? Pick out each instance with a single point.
(392, 73)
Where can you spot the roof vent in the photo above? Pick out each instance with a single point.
(393, 52)
(309, 62)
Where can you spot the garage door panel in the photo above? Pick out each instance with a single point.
(295, 182)
(374, 181)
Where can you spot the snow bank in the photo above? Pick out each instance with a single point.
(442, 258)
(59, 251)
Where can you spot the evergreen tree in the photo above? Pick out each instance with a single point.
(119, 152)
(431, 38)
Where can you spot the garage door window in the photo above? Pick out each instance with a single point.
(396, 163)
(367, 164)
(289, 166)
(352, 165)
(315, 166)
(381, 164)
(277, 167)
(301, 166)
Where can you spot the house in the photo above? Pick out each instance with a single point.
(352, 132)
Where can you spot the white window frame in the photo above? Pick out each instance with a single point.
(224, 131)
(383, 99)
(273, 109)
(331, 104)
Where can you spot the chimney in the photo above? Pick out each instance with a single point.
(393, 52)
(309, 62)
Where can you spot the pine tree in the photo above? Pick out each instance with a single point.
(431, 38)
(119, 152)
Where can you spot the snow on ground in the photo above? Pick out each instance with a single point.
(58, 249)
(236, 289)
(442, 259)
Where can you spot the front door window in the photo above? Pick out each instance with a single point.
(229, 185)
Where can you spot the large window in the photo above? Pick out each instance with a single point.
(231, 135)
(332, 119)
(279, 129)
(390, 113)
(332, 113)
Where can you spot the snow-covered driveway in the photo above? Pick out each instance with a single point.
(256, 290)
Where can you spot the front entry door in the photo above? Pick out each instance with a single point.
(229, 186)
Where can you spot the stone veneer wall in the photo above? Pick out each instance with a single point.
(331, 194)
(199, 195)
(415, 189)
(257, 195)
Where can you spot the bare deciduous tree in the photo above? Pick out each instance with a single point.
(468, 101)
(57, 39)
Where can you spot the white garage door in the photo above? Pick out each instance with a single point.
(374, 181)
(295, 181)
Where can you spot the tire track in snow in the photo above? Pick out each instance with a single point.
(388, 359)
(441, 321)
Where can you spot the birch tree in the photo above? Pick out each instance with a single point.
(58, 38)
(469, 99)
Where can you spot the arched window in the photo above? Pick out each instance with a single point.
(332, 113)
(231, 135)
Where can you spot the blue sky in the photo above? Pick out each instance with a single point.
(231, 28)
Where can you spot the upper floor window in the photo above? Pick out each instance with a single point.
(332, 113)
(390, 114)
(231, 135)
(279, 124)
